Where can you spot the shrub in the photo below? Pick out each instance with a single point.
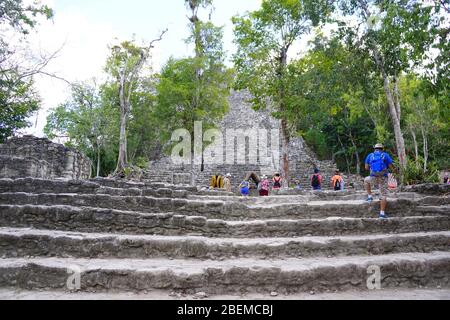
(415, 173)
(141, 162)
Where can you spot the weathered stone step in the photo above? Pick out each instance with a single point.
(144, 185)
(32, 185)
(358, 195)
(108, 220)
(136, 203)
(307, 197)
(229, 276)
(349, 208)
(228, 210)
(430, 188)
(128, 188)
(407, 197)
(30, 242)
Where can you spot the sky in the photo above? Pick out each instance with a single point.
(85, 28)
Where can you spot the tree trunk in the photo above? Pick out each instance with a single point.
(98, 161)
(425, 149)
(416, 147)
(345, 154)
(122, 160)
(397, 98)
(285, 152)
(395, 112)
(395, 118)
(358, 163)
(285, 136)
(199, 52)
(392, 98)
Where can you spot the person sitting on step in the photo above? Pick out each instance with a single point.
(316, 180)
(336, 181)
(277, 181)
(227, 182)
(264, 186)
(245, 188)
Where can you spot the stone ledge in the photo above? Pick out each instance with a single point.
(229, 276)
(108, 220)
(429, 188)
(31, 242)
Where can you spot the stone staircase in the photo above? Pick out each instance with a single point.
(160, 176)
(302, 171)
(125, 236)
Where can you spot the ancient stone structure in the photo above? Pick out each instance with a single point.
(242, 116)
(106, 235)
(29, 156)
(122, 236)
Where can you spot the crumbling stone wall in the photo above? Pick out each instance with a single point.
(30, 156)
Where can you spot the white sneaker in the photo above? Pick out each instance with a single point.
(383, 216)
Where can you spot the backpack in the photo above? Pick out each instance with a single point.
(315, 180)
(378, 165)
(337, 185)
(276, 183)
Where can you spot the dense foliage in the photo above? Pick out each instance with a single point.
(18, 98)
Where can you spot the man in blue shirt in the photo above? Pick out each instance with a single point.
(379, 163)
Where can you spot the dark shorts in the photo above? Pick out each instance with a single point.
(263, 193)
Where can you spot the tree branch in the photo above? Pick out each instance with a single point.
(442, 2)
(158, 39)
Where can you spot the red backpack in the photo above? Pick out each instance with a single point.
(277, 182)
